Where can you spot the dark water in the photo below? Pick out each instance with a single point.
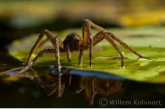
(78, 89)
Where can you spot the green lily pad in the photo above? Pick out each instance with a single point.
(106, 59)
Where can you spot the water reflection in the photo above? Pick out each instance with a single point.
(75, 80)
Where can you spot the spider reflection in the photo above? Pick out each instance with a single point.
(75, 83)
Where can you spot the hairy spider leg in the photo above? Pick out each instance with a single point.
(110, 40)
(42, 43)
(47, 50)
(54, 40)
(125, 45)
(57, 45)
(98, 38)
(38, 44)
(88, 39)
(89, 43)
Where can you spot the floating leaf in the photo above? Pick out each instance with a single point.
(106, 59)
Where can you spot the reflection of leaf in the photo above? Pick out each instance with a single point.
(106, 59)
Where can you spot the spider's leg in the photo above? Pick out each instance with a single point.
(42, 43)
(57, 45)
(50, 37)
(48, 50)
(125, 45)
(39, 55)
(97, 39)
(110, 40)
(88, 39)
(80, 57)
(94, 25)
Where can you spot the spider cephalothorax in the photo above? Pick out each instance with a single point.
(74, 42)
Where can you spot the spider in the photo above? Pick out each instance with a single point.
(73, 42)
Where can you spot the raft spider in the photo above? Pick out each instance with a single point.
(73, 42)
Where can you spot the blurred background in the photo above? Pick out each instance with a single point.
(21, 18)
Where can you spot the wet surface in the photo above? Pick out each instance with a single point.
(78, 89)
